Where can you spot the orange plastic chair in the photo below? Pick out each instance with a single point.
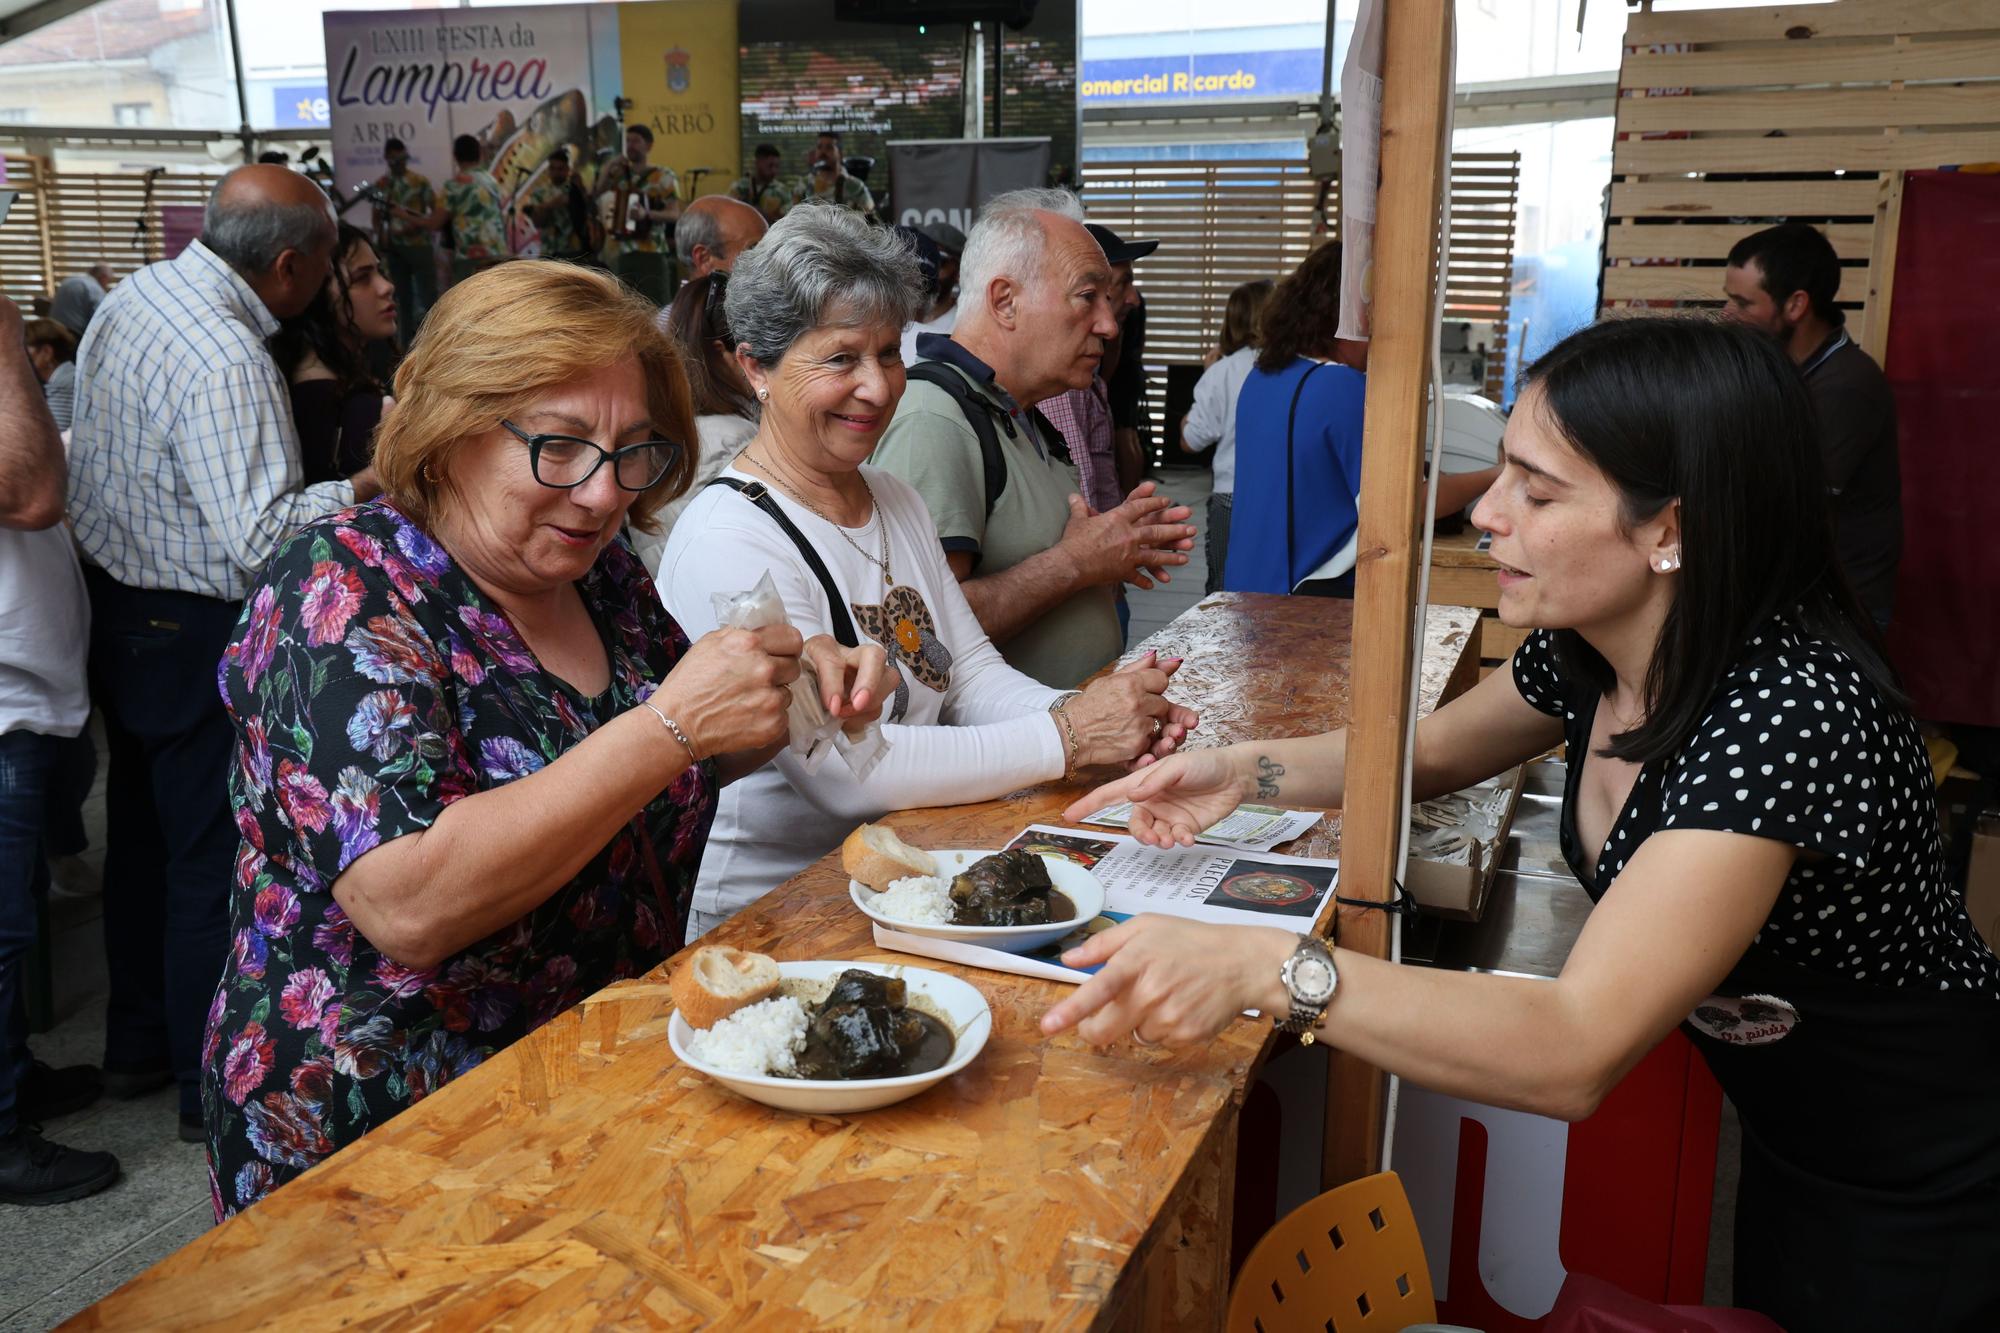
(1349, 1261)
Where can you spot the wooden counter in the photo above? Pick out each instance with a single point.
(583, 1179)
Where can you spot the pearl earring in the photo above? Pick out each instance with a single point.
(1668, 564)
(763, 395)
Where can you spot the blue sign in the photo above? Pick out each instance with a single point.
(300, 106)
(1235, 77)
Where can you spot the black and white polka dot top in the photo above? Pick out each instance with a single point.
(1797, 745)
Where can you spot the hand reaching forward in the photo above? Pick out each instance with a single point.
(1175, 799)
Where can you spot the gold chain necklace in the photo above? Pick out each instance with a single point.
(881, 561)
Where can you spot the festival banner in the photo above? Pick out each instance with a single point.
(525, 80)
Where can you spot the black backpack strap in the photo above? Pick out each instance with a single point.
(1291, 484)
(981, 413)
(760, 495)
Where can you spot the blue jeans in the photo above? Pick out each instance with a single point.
(27, 759)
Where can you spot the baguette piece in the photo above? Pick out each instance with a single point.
(715, 981)
(875, 856)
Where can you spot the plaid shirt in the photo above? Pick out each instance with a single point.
(184, 463)
(1084, 418)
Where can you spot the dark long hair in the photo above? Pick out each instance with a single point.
(1715, 416)
(1302, 318)
(697, 325)
(324, 327)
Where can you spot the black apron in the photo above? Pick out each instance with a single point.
(1870, 1191)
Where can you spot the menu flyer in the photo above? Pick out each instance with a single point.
(1219, 885)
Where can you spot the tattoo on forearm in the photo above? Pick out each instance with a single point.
(1268, 773)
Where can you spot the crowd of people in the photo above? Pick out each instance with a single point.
(425, 721)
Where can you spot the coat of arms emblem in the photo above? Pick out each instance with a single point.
(677, 70)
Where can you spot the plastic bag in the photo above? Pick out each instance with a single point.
(814, 732)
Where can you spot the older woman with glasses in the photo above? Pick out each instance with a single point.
(816, 313)
(476, 759)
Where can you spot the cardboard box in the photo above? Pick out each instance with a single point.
(1982, 879)
(1459, 891)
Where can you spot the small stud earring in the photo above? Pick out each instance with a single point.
(763, 395)
(1668, 564)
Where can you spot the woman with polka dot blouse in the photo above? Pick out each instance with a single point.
(1749, 805)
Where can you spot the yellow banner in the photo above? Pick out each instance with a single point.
(679, 65)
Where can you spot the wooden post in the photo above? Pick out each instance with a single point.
(1882, 265)
(1416, 99)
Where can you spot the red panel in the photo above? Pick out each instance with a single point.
(1945, 638)
(1639, 1179)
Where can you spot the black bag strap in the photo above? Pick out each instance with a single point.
(1291, 483)
(981, 413)
(757, 493)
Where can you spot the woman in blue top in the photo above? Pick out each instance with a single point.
(1298, 443)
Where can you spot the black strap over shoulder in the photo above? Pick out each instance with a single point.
(1291, 482)
(760, 495)
(981, 413)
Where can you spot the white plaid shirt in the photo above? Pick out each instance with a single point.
(183, 460)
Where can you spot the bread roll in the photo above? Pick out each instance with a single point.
(875, 856)
(715, 981)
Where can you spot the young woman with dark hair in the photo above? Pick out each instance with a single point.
(1748, 803)
(337, 400)
(725, 408)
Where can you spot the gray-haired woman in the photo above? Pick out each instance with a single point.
(817, 311)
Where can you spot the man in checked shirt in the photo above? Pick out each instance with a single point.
(184, 476)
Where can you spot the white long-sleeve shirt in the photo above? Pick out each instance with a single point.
(985, 733)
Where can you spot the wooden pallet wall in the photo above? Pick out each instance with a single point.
(1224, 223)
(1730, 120)
(64, 222)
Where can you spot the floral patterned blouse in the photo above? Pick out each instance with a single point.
(371, 686)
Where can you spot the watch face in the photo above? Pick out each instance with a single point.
(1312, 978)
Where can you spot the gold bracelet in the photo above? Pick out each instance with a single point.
(1060, 711)
(673, 729)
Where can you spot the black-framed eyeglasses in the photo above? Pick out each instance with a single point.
(564, 461)
(714, 319)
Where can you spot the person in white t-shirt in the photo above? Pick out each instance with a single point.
(816, 311)
(44, 640)
(1211, 421)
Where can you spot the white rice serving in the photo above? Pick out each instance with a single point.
(761, 1038)
(924, 900)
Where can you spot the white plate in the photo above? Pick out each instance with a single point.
(959, 1003)
(1078, 884)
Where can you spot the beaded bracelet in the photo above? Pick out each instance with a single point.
(673, 729)
(1060, 711)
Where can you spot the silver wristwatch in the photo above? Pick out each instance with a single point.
(1310, 979)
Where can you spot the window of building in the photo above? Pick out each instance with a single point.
(131, 113)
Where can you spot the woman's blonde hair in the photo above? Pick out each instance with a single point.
(495, 345)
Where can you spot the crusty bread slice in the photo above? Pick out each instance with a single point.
(715, 981)
(875, 856)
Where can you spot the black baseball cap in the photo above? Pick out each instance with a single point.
(1118, 251)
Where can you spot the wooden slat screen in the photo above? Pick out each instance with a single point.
(1732, 120)
(1225, 223)
(66, 221)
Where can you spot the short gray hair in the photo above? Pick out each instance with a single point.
(697, 226)
(816, 264)
(1008, 240)
(250, 234)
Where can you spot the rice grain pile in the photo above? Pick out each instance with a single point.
(761, 1038)
(924, 900)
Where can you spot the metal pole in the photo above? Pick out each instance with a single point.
(975, 75)
(999, 75)
(1327, 74)
(242, 87)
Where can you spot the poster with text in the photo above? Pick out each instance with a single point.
(525, 80)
